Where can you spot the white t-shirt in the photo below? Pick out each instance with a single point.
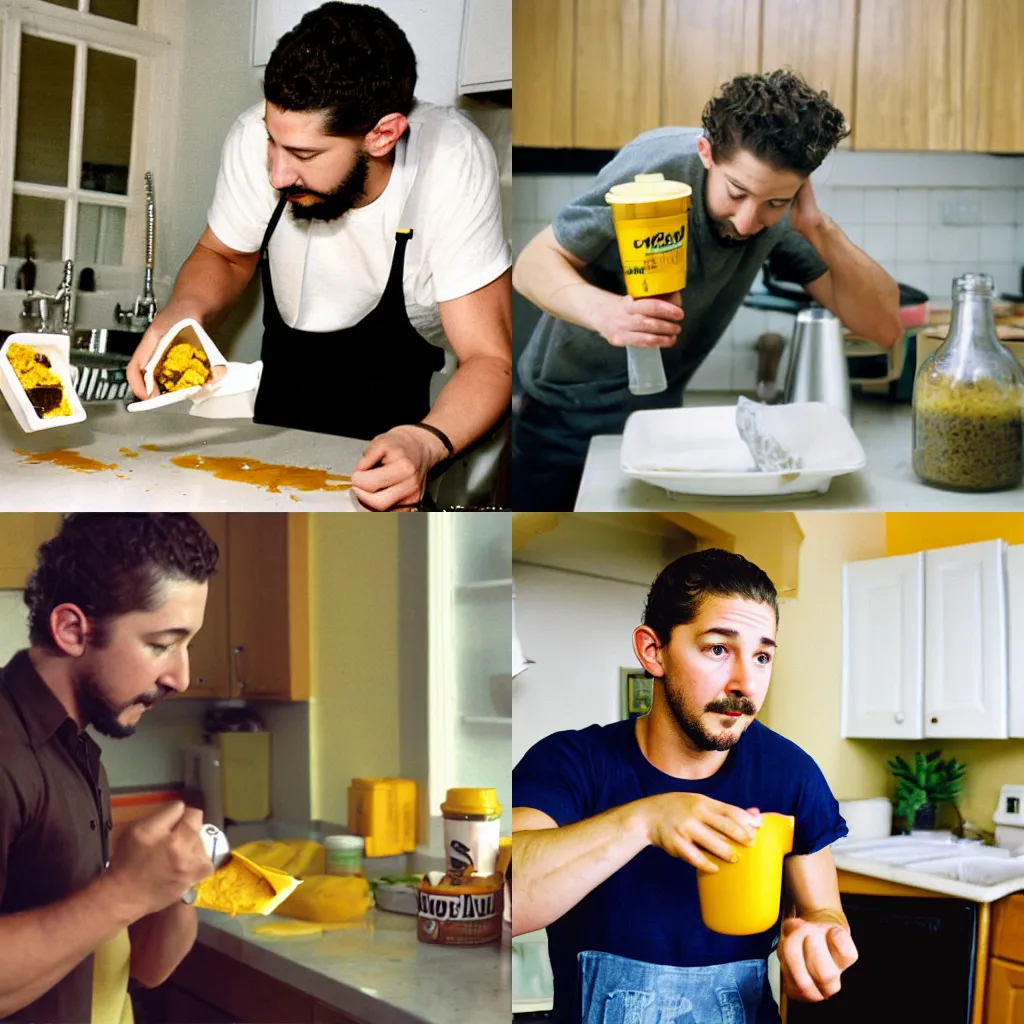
(330, 274)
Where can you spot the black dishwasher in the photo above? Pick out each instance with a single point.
(916, 964)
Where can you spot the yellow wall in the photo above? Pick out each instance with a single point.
(354, 718)
(907, 532)
(804, 701)
(990, 763)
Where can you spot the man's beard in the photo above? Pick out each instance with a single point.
(103, 715)
(331, 205)
(724, 226)
(693, 727)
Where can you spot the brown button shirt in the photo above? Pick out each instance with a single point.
(54, 819)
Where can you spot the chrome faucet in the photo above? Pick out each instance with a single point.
(39, 305)
(145, 304)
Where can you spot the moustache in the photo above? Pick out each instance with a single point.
(293, 190)
(149, 699)
(741, 704)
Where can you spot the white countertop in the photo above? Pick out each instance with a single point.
(886, 483)
(376, 969)
(149, 481)
(933, 883)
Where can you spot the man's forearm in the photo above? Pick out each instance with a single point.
(549, 281)
(555, 868)
(41, 946)
(473, 400)
(161, 941)
(867, 298)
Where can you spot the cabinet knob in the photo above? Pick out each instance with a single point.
(935, 721)
(900, 718)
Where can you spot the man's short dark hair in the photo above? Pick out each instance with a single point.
(110, 564)
(778, 118)
(350, 61)
(676, 596)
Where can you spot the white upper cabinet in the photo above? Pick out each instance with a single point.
(486, 63)
(966, 686)
(883, 646)
(1015, 620)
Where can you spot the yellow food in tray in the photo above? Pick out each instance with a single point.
(243, 887)
(329, 898)
(184, 364)
(299, 858)
(42, 386)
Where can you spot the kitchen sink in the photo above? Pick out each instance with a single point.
(118, 342)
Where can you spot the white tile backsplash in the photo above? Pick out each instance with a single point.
(998, 206)
(880, 206)
(553, 192)
(847, 206)
(996, 243)
(912, 206)
(911, 242)
(880, 241)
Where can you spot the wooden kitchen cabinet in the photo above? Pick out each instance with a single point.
(268, 605)
(883, 648)
(618, 71)
(21, 533)
(816, 40)
(1015, 628)
(927, 660)
(704, 46)
(543, 37)
(1004, 998)
(966, 688)
(909, 78)
(993, 83)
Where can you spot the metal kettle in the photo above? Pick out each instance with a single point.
(817, 362)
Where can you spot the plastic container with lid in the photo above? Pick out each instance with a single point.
(969, 401)
(344, 855)
(472, 822)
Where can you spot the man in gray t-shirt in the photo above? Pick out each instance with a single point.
(752, 203)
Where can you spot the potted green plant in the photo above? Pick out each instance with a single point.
(923, 787)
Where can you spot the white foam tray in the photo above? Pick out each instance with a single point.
(57, 348)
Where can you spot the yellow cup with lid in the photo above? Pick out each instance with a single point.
(651, 218)
(744, 898)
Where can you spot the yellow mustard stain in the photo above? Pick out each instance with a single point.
(150, 447)
(66, 458)
(128, 453)
(268, 475)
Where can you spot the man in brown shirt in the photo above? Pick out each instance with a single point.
(113, 603)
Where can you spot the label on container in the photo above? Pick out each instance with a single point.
(653, 254)
(461, 918)
(471, 847)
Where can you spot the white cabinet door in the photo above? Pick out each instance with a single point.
(966, 686)
(486, 63)
(883, 641)
(1015, 619)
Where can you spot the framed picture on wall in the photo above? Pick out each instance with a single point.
(637, 692)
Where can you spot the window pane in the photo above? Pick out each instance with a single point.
(44, 111)
(107, 139)
(100, 236)
(119, 10)
(43, 221)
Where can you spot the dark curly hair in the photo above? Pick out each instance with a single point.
(778, 118)
(350, 61)
(676, 596)
(110, 564)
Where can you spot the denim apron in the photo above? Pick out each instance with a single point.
(614, 990)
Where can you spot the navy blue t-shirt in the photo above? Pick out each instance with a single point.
(648, 910)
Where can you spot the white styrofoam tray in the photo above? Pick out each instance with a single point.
(57, 348)
(213, 354)
(700, 451)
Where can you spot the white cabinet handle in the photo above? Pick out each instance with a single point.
(900, 718)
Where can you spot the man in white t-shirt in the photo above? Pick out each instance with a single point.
(376, 223)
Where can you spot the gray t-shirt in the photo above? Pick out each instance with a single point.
(570, 368)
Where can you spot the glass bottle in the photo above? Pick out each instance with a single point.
(969, 401)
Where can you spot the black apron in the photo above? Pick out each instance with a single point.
(359, 381)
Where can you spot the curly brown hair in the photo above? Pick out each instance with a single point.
(350, 61)
(778, 118)
(110, 564)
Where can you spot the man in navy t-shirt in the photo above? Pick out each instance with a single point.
(611, 823)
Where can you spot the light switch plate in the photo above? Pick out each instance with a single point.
(1011, 806)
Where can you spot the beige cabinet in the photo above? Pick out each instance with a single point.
(21, 533)
(618, 71)
(815, 39)
(705, 45)
(543, 37)
(993, 81)
(910, 59)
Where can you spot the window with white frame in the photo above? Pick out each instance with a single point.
(81, 82)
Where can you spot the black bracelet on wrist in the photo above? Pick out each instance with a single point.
(440, 434)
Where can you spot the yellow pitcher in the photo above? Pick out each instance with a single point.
(651, 217)
(744, 898)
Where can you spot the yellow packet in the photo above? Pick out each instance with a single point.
(243, 887)
(329, 898)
